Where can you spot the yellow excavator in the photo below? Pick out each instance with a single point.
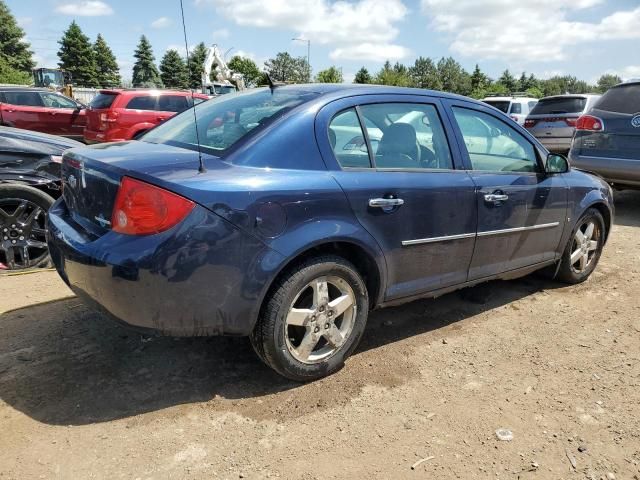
(54, 79)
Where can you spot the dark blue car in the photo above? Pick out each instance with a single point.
(309, 207)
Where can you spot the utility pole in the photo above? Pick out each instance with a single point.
(299, 39)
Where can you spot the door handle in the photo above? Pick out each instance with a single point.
(385, 202)
(496, 197)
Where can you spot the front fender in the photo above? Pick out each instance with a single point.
(584, 195)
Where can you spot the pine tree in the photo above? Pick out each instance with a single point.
(478, 79)
(106, 64)
(77, 57)
(145, 72)
(195, 66)
(362, 76)
(15, 53)
(173, 70)
(424, 74)
(509, 81)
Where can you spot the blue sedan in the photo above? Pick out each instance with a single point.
(288, 214)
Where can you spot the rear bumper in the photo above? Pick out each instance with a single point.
(621, 171)
(92, 137)
(202, 277)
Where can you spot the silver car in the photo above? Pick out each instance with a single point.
(553, 119)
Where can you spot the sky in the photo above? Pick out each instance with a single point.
(585, 38)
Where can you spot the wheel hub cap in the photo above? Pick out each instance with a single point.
(22, 240)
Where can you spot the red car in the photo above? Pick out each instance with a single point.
(43, 111)
(117, 115)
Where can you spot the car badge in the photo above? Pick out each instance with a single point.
(635, 121)
(73, 181)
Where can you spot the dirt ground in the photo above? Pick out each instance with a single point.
(82, 397)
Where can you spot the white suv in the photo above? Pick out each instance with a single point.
(516, 106)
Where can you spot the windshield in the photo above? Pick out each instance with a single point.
(559, 105)
(501, 105)
(224, 121)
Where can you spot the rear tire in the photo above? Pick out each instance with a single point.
(583, 250)
(312, 319)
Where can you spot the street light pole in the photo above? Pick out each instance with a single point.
(308, 53)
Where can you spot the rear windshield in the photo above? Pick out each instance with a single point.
(501, 105)
(223, 121)
(559, 105)
(622, 99)
(102, 100)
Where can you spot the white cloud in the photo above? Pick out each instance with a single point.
(161, 22)
(85, 8)
(340, 24)
(523, 30)
(626, 73)
(221, 33)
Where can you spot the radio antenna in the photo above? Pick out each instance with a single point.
(201, 168)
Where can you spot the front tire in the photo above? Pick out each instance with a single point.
(583, 249)
(313, 319)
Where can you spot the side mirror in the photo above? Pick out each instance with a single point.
(556, 163)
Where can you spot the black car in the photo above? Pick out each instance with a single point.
(29, 184)
(607, 139)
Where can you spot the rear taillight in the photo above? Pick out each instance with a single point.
(107, 118)
(143, 209)
(589, 123)
(571, 121)
(530, 123)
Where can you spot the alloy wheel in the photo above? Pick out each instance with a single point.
(585, 246)
(22, 234)
(320, 319)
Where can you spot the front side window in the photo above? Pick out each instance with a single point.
(407, 135)
(347, 140)
(53, 100)
(25, 99)
(146, 102)
(493, 145)
(172, 103)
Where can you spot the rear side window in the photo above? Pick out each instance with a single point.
(516, 108)
(142, 103)
(102, 100)
(559, 105)
(622, 99)
(26, 99)
(172, 103)
(501, 105)
(347, 140)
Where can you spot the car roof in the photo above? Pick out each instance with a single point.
(25, 89)
(509, 98)
(572, 95)
(146, 91)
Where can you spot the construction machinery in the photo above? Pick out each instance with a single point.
(227, 80)
(54, 78)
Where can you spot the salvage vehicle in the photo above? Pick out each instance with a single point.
(553, 120)
(124, 114)
(42, 110)
(256, 220)
(607, 139)
(29, 184)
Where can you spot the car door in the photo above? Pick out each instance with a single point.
(521, 210)
(404, 189)
(24, 109)
(63, 115)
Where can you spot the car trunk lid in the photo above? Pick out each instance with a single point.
(99, 114)
(619, 138)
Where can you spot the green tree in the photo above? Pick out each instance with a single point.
(8, 74)
(479, 80)
(107, 69)
(285, 68)
(606, 81)
(173, 70)
(330, 75)
(247, 68)
(77, 57)
(396, 75)
(424, 74)
(454, 78)
(14, 52)
(362, 76)
(145, 72)
(196, 65)
(509, 81)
